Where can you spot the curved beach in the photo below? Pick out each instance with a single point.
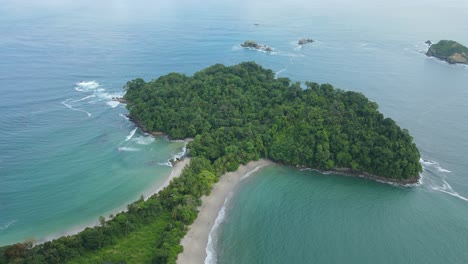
(196, 240)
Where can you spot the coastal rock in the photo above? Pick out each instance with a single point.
(305, 41)
(119, 99)
(449, 51)
(254, 45)
(428, 42)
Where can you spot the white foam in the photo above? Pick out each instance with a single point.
(167, 163)
(443, 170)
(65, 103)
(279, 72)
(113, 104)
(433, 164)
(213, 236)
(249, 173)
(144, 140)
(446, 188)
(124, 116)
(7, 225)
(236, 47)
(84, 98)
(128, 149)
(131, 134)
(182, 153)
(86, 86)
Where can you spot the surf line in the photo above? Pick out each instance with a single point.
(65, 103)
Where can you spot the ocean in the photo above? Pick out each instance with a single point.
(68, 155)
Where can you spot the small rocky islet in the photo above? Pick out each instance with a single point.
(305, 41)
(449, 51)
(254, 45)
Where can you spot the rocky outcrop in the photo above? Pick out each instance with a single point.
(449, 51)
(119, 99)
(305, 41)
(254, 45)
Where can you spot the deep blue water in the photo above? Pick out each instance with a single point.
(61, 168)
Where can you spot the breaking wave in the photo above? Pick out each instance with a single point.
(97, 91)
(124, 116)
(249, 173)
(433, 164)
(167, 163)
(128, 149)
(213, 236)
(144, 140)
(131, 134)
(112, 104)
(435, 178)
(86, 86)
(279, 72)
(446, 188)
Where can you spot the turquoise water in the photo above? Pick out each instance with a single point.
(60, 164)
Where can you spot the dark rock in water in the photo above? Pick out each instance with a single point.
(428, 42)
(256, 24)
(176, 160)
(305, 41)
(254, 45)
(449, 51)
(119, 99)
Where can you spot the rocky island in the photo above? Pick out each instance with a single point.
(449, 51)
(305, 41)
(254, 45)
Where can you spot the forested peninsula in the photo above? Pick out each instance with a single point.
(235, 114)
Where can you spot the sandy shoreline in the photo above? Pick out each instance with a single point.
(176, 172)
(196, 240)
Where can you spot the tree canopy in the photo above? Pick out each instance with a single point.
(240, 113)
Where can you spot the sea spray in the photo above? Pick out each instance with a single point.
(210, 250)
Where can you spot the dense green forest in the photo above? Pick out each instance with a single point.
(449, 51)
(235, 114)
(242, 112)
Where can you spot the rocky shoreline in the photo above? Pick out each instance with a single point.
(364, 175)
(119, 99)
(143, 128)
(449, 51)
(173, 161)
